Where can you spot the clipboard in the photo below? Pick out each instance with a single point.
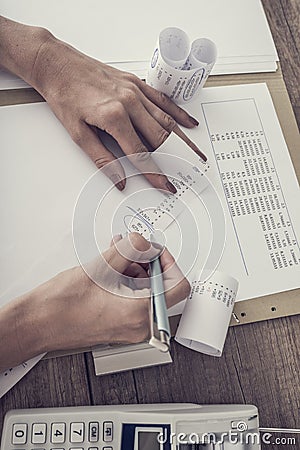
(273, 306)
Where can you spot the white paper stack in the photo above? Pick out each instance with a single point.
(124, 34)
(119, 358)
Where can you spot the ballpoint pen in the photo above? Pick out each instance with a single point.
(160, 328)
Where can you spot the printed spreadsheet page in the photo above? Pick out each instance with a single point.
(254, 175)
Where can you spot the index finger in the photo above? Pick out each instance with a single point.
(166, 104)
(177, 287)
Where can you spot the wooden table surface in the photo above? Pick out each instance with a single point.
(261, 361)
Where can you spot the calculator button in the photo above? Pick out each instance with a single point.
(77, 448)
(38, 433)
(107, 448)
(93, 432)
(77, 432)
(19, 433)
(58, 433)
(93, 448)
(107, 431)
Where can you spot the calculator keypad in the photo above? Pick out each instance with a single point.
(107, 431)
(62, 435)
(93, 432)
(77, 432)
(38, 433)
(58, 433)
(19, 433)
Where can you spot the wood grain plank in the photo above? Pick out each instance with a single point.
(260, 363)
(269, 368)
(19, 96)
(53, 382)
(192, 377)
(114, 389)
(284, 21)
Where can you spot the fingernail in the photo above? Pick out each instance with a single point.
(120, 185)
(202, 156)
(198, 151)
(194, 121)
(171, 187)
(118, 181)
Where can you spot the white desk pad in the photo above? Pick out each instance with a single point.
(124, 33)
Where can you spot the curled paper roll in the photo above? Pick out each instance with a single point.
(206, 316)
(174, 46)
(179, 69)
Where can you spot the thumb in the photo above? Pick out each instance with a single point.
(132, 248)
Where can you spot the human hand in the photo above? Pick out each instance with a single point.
(73, 309)
(86, 94)
(111, 303)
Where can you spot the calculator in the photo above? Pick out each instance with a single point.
(169, 426)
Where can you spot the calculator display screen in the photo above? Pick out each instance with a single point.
(148, 440)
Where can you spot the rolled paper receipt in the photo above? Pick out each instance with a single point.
(205, 320)
(179, 69)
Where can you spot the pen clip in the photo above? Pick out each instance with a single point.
(159, 339)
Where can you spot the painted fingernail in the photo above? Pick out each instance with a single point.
(118, 181)
(194, 121)
(120, 185)
(171, 187)
(202, 156)
(197, 151)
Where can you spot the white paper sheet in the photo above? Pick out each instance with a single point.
(118, 358)
(11, 376)
(144, 209)
(124, 33)
(259, 189)
(44, 171)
